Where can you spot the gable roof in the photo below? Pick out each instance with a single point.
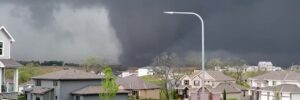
(7, 33)
(279, 75)
(69, 74)
(135, 83)
(217, 75)
(93, 90)
(283, 88)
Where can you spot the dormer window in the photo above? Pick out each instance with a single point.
(1, 48)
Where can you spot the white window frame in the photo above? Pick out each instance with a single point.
(1, 55)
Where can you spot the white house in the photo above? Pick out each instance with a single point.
(144, 71)
(274, 79)
(283, 91)
(128, 73)
(6, 62)
(268, 66)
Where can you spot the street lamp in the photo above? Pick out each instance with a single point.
(202, 32)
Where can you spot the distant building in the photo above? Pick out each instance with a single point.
(144, 71)
(128, 72)
(262, 66)
(295, 67)
(267, 66)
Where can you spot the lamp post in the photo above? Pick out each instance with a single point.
(202, 33)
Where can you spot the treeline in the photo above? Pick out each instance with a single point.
(49, 63)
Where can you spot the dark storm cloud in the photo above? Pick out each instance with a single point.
(250, 29)
(253, 30)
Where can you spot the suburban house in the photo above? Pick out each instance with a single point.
(8, 89)
(67, 84)
(128, 72)
(295, 67)
(139, 89)
(215, 83)
(144, 71)
(281, 81)
(267, 66)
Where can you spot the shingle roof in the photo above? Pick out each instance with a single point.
(283, 88)
(90, 90)
(69, 74)
(279, 75)
(9, 63)
(229, 87)
(217, 75)
(135, 83)
(39, 90)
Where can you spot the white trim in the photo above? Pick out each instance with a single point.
(1, 64)
(9, 35)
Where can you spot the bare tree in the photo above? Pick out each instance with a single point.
(238, 64)
(164, 66)
(95, 64)
(215, 62)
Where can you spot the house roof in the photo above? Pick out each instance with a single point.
(135, 83)
(217, 75)
(39, 90)
(9, 63)
(91, 90)
(229, 87)
(279, 75)
(69, 74)
(283, 88)
(7, 33)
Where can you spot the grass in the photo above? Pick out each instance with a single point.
(153, 79)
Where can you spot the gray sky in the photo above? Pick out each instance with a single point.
(132, 32)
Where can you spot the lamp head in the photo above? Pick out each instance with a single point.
(169, 12)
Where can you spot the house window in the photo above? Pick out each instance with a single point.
(196, 83)
(186, 82)
(274, 83)
(38, 83)
(37, 98)
(77, 98)
(1, 48)
(54, 83)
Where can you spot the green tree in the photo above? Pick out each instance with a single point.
(28, 71)
(224, 94)
(109, 87)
